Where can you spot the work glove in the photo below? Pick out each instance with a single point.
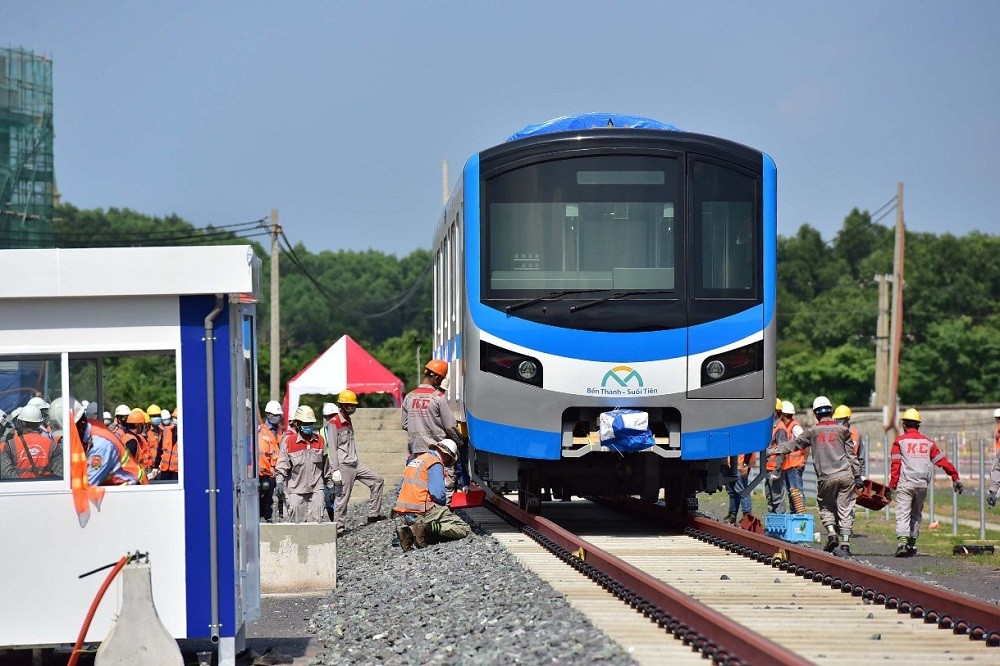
(992, 500)
(338, 477)
(859, 483)
(152, 474)
(279, 487)
(958, 487)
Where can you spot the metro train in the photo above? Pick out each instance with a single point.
(605, 261)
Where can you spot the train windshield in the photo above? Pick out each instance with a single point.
(584, 223)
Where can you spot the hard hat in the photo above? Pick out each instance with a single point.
(136, 417)
(911, 415)
(14, 413)
(122, 410)
(330, 408)
(445, 384)
(787, 408)
(449, 447)
(153, 410)
(842, 412)
(348, 397)
(164, 414)
(106, 417)
(438, 367)
(38, 402)
(996, 413)
(304, 414)
(173, 412)
(30, 414)
(55, 410)
(777, 404)
(822, 404)
(273, 407)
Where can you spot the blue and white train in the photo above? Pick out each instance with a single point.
(602, 261)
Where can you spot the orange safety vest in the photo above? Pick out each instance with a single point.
(128, 463)
(267, 450)
(414, 494)
(31, 454)
(168, 454)
(147, 453)
(996, 441)
(795, 458)
(775, 429)
(856, 438)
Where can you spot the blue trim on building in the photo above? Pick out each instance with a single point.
(194, 412)
(514, 441)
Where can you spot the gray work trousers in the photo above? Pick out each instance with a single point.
(836, 498)
(365, 475)
(774, 491)
(909, 510)
(304, 507)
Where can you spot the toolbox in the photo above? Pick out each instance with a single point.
(472, 498)
(874, 495)
(793, 527)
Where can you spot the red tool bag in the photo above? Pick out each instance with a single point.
(467, 500)
(874, 495)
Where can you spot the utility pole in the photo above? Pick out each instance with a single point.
(882, 342)
(275, 310)
(896, 340)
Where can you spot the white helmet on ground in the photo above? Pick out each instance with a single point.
(449, 447)
(822, 404)
(787, 408)
(273, 407)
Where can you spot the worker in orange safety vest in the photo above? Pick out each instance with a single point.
(29, 454)
(774, 484)
(268, 438)
(167, 437)
(422, 502)
(795, 462)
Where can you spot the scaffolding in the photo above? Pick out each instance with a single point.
(27, 179)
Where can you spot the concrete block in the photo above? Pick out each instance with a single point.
(138, 637)
(298, 557)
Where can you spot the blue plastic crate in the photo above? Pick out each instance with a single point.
(793, 527)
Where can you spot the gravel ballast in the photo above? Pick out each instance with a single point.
(465, 601)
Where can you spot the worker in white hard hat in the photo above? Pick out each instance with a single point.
(29, 454)
(43, 407)
(120, 419)
(996, 435)
(268, 444)
(106, 419)
(344, 463)
(422, 502)
(794, 464)
(838, 473)
(302, 470)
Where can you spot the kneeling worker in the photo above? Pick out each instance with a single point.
(422, 500)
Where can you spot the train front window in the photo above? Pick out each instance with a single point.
(588, 223)
(726, 244)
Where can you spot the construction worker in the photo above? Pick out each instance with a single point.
(120, 418)
(29, 454)
(795, 462)
(135, 423)
(991, 497)
(996, 435)
(740, 468)
(106, 419)
(302, 469)
(842, 415)
(913, 458)
(108, 461)
(427, 419)
(133, 440)
(838, 474)
(268, 443)
(43, 407)
(167, 451)
(422, 503)
(346, 469)
(774, 484)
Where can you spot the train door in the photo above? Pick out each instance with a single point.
(244, 355)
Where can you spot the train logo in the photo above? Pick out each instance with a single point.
(622, 380)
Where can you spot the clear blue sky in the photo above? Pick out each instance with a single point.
(339, 114)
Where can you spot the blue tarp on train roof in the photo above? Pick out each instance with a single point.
(586, 121)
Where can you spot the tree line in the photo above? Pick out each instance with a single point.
(826, 315)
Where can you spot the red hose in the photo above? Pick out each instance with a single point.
(93, 609)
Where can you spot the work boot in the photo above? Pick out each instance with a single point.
(730, 518)
(375, 519)
(843, 550)
(902, 550)
(405, 537)
(911, 545)
(421, 534)
(832, 543)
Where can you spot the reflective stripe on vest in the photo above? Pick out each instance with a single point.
(27, 448)
(267, 450)
(127, 464)
(168, 449)
(414, 496)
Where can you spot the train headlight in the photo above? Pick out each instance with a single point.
(715, 369)
(527, 370)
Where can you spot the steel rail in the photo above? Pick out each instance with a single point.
(949, 610)
(715, 635)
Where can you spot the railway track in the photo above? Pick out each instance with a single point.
(723, 594)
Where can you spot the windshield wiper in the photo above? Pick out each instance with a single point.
(617, 296)
(555, 294)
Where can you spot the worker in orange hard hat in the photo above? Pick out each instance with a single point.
(427, 419)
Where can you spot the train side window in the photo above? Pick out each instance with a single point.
(725, 230)
(29, 449)
(138, 390)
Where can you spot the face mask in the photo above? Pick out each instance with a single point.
(155, 420)
(274, 419)
(350, 409)
(165, 422)
(307, 430)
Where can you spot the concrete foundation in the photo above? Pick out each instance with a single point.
(138, 637)
(298, 558)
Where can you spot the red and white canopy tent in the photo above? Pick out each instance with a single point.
(345, 365)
